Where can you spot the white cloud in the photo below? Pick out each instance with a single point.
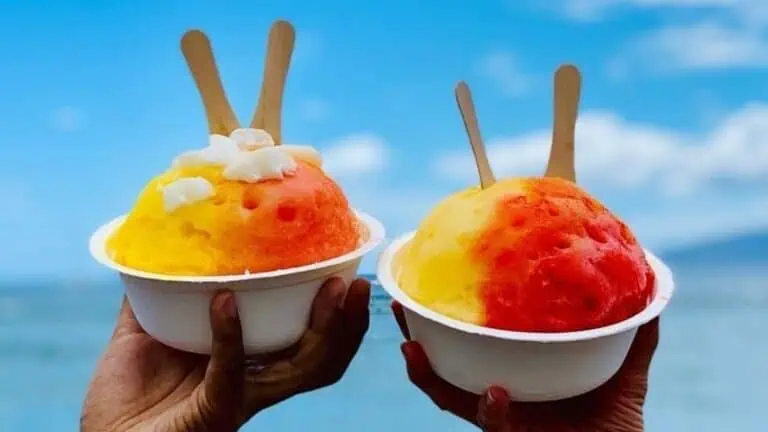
(67, 119)
(314, 109)
(624, 155)
(502, 68)
(703, 45)
(585, 10)
(661, 229)
(712, 34)
(356, 154)
(597, 9)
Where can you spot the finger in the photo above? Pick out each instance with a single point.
(322, 358)
(353, 322)
(329, 353)
(447, 397)
(224, 376)
(358, 297)
(343, 325)
(325, 308)
(326, 304)
(643, 348)
(126, 320)
(397, 310)
(493, 411)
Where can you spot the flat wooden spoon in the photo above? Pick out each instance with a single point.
(197, 51)
(567, 93)
(279, 50)
(467, 109)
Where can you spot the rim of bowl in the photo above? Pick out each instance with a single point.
(97, 247)
(664, 288)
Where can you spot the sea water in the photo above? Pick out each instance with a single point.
(709, 373)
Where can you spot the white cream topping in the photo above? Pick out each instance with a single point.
(305, 153)
(221, 151)
(236, 149)
(247, 154)
(261, 164)
(185, 191)
(251, 139)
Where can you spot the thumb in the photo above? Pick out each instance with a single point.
(643, 348)
(493, 410)
(224, 376)
(126, 321)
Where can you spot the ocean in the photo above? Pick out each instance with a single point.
(709, 374)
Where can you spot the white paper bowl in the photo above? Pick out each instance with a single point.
(274, 306)
(532, 367)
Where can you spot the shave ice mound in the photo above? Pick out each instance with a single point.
(526, 254)
(240, 205)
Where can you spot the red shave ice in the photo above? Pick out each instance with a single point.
(544, 256)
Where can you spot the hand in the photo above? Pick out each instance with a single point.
(141, 384)
(617, 406)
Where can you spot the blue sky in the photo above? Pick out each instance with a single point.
(673, 133)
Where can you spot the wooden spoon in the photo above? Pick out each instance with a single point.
(467, 109)
(197, 51)
(567, 92)
(279, 50)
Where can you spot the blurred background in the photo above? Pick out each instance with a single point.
(673, 135)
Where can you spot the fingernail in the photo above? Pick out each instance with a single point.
(496, 393)
(228, 305)
(409, 348)
(336, 294)
(489, 397)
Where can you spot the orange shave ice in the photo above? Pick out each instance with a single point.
(241, 205)
(527, 254)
